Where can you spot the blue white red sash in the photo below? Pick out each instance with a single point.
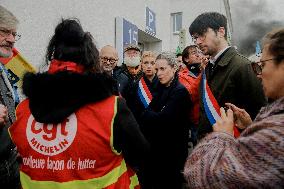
(211, 106)
(144, 93)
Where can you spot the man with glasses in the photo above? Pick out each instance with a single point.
(108, 59)
(229, 75)
(9, 173)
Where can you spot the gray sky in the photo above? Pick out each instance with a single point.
(252, 19)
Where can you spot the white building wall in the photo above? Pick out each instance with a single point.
(38, 19)
(190, 10)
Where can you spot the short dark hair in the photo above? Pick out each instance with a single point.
(275, 42)
(71, 43)
(213, 20)
(185, 52)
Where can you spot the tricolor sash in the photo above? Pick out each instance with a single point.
(144, 93)
(211, 106)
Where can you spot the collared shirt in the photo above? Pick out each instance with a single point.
(213, 60)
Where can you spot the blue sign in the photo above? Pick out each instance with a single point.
(150, 21)
(130, 33)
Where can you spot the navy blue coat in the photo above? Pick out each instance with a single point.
(165, 124)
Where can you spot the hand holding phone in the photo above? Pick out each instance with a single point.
(241, 117)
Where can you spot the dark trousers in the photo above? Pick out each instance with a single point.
(9, 171)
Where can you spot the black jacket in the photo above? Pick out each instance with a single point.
(133, 100)
(125, 80)
(53, 97)
(165, 123)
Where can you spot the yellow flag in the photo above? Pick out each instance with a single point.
(16, 66)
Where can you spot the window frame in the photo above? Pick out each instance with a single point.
(174, 16)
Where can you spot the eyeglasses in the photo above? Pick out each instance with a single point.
(5, 33)
(111, 60)
(200, 37)
(258, 66)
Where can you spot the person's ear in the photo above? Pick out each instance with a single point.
(176, 67)
(186, 60)
(221, 32)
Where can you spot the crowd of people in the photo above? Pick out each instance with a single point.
(204, 118)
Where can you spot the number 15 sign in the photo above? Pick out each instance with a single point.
(126, 33)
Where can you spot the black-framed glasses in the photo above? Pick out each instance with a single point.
(258, 66)
(111, 60)
(5, 33)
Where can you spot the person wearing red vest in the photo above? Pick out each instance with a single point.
(190, 78)
(73, 131)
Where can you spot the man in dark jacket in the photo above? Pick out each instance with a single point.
(9, 174)
(229, 74)
(130, 72)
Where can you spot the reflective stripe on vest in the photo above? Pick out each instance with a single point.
(133, 181)
(111, 175)
(112, 122)
(97, 183)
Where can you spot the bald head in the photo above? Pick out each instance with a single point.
(108, 58)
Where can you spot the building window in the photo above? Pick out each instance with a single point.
(177, 21)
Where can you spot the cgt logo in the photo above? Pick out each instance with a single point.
(51, 139)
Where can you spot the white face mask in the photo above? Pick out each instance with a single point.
(132, 61)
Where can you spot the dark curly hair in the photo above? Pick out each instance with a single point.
(71, 43)
(275, 42)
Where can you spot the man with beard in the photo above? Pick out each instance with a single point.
(229, 75)
(9, 173)
(130, 72)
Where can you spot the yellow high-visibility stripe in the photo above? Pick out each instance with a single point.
(95, 183)
(112, 121)
(133, 181)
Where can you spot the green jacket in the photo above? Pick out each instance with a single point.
(234, 81)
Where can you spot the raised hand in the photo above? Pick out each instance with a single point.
(242, 118)
(204, 61)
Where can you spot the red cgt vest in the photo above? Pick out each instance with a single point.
(77, 153)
